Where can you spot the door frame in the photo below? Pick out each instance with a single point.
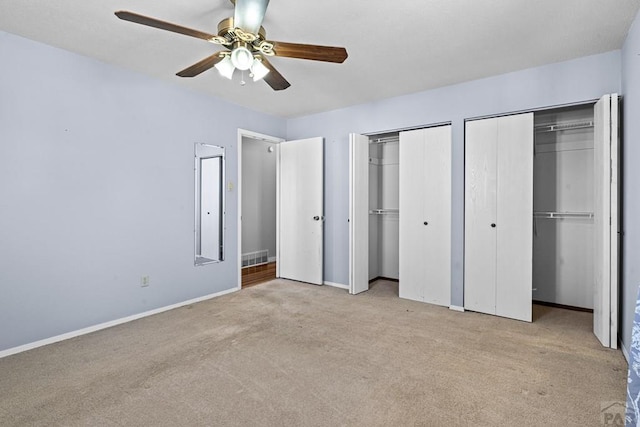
(262, 137)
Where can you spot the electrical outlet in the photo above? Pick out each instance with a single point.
(144, 281)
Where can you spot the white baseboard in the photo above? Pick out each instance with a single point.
(105, 325)
(336, 285)
(456, 308)
(272, 259)
(624, 352)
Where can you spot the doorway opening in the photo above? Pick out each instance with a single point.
(384, 229)
(257, 194)
(563, 203)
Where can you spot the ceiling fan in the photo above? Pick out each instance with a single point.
(247, 47)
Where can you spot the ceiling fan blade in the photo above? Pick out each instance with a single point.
(156, 23)
(274, 78)
(201, 66)
(249, 14)
(310, 51)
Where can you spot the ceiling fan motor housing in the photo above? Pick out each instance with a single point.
(227, 29)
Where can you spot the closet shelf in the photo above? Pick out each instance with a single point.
(556, 127)
(384, 211)
(386, 140)
(562, 215)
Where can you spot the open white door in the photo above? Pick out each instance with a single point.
(301, 210)
(605, 297)
(358, 213)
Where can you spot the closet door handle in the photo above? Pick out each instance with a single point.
(425, 223)
(316, 218)
(493, 225)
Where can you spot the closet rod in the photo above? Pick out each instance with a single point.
(555, 127)
(562, 215)
(383, 211)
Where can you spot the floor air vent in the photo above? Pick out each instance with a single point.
(255, 258)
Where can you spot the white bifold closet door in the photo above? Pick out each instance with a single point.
(300, 210)
(480, 206)
(605, 298)
(425, 215)
(499, 216)
(358, 213)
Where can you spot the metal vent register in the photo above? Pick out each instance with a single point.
(255, 258)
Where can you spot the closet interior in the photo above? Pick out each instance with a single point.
(384, 169)
(541, 213)
(563, 204)
(400, 212)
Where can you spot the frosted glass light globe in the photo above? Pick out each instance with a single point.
(241, 58)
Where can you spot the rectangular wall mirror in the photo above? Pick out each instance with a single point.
(209, 203)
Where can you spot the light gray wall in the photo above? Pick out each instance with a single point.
(631, 178)
(97, 190)
(556, 84)
(258, 196)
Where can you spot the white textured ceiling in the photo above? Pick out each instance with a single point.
(395, 46)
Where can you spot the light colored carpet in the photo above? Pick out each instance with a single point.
(287, 353)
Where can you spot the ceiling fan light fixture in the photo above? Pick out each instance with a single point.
(225, 67)
(258, 70)
(241, 58)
